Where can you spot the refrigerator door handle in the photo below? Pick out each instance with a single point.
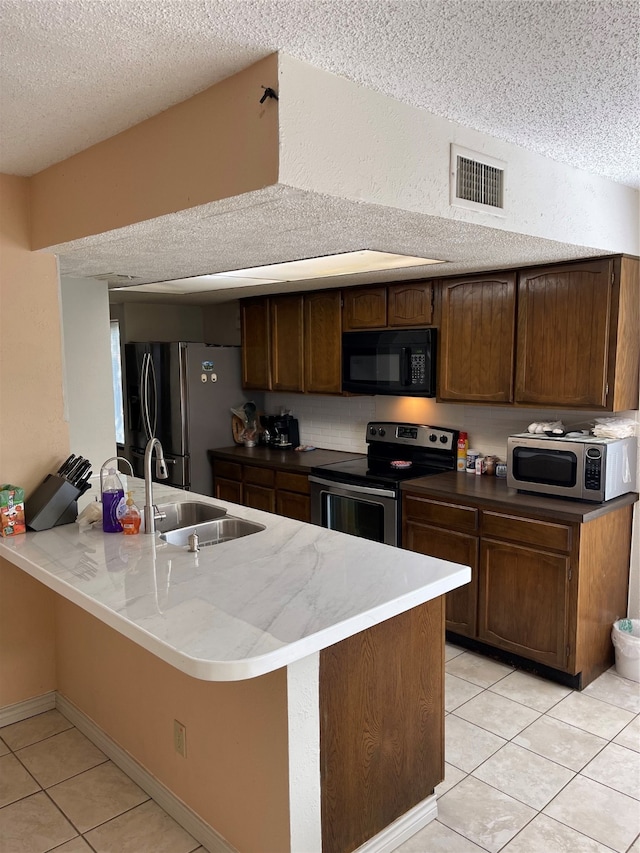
(152, 371)
(146, 358)
(143, 392)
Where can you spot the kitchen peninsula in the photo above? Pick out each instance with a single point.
(306, 666)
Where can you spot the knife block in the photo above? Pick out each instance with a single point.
(54, 502)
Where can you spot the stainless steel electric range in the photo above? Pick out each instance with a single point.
(362, 496)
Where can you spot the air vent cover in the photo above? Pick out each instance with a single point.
(477, 181)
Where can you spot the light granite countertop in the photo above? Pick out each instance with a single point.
(238, 609)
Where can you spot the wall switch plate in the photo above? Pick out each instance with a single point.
(180, 738)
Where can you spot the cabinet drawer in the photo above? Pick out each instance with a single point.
(259, 476)
(527, 531)
(463, 518)
(228, 470)
(292, 482)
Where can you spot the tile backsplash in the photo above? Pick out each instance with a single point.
(333, 423)
(339, 423)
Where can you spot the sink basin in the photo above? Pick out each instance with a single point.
(186, 514)
(213, 532)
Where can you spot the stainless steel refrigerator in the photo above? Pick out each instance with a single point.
(181, 393)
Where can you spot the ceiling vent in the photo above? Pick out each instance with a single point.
(477, 181)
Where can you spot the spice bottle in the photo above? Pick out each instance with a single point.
(463, 446)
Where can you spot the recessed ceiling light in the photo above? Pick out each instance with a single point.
(345, 263)
(198, 284)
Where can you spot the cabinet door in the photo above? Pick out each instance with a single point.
(293, 505)
(228, 490)
(410, 303)
(523, 599)
(286, 343)
(461, 603)
(477, 336)
(323, 342)
(563, 334)
(364, 308)
(259, 497)
(256, 344)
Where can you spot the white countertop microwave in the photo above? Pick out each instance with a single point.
(582, 467)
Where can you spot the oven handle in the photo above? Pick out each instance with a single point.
(347, 488)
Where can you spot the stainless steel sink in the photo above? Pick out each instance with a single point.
(186, 514)
(213, 532)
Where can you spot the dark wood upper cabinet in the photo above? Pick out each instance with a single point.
(561, 336)
(578, 335)
(364, 308)
(287, 337)
(477, 338)
(323, 342)
(410, 304)
(256, 344)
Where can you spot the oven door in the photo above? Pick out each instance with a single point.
(367, 511)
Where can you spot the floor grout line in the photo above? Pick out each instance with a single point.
(575, 774)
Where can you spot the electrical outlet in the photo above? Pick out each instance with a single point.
(180, 738)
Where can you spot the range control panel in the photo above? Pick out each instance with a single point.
(412, 435)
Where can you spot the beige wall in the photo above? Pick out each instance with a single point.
(235, 775)
(211, 146)
(33, 433)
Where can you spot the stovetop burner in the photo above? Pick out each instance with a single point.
(424, 450)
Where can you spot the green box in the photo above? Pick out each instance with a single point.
(11, 510)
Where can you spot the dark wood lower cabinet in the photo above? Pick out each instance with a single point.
(293, 505)
(543, 590)
(262, 487)
(381, 725)
(532, 590)
(259, 497)
(228, 490)
(461, 603)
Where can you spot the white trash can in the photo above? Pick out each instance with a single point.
(625, 635)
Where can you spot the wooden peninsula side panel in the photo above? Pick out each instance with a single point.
(381, 724)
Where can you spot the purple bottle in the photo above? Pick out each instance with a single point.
(113, 503)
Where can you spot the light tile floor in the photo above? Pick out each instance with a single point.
(532, 767)
(60, 792)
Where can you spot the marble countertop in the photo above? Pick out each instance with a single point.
(238, 609)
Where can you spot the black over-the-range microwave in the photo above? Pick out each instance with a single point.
(399, 362)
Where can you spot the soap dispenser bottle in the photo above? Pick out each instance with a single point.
(113, 505)
(131, 519)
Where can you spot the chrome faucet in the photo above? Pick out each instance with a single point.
(151, 514)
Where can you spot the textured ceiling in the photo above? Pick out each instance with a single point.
(559, 77)
(222, 235)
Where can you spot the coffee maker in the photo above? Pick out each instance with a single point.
(280, 431)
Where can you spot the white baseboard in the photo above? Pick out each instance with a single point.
(181, 813)
(402, 829)
(384, 842)
(29, 708)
